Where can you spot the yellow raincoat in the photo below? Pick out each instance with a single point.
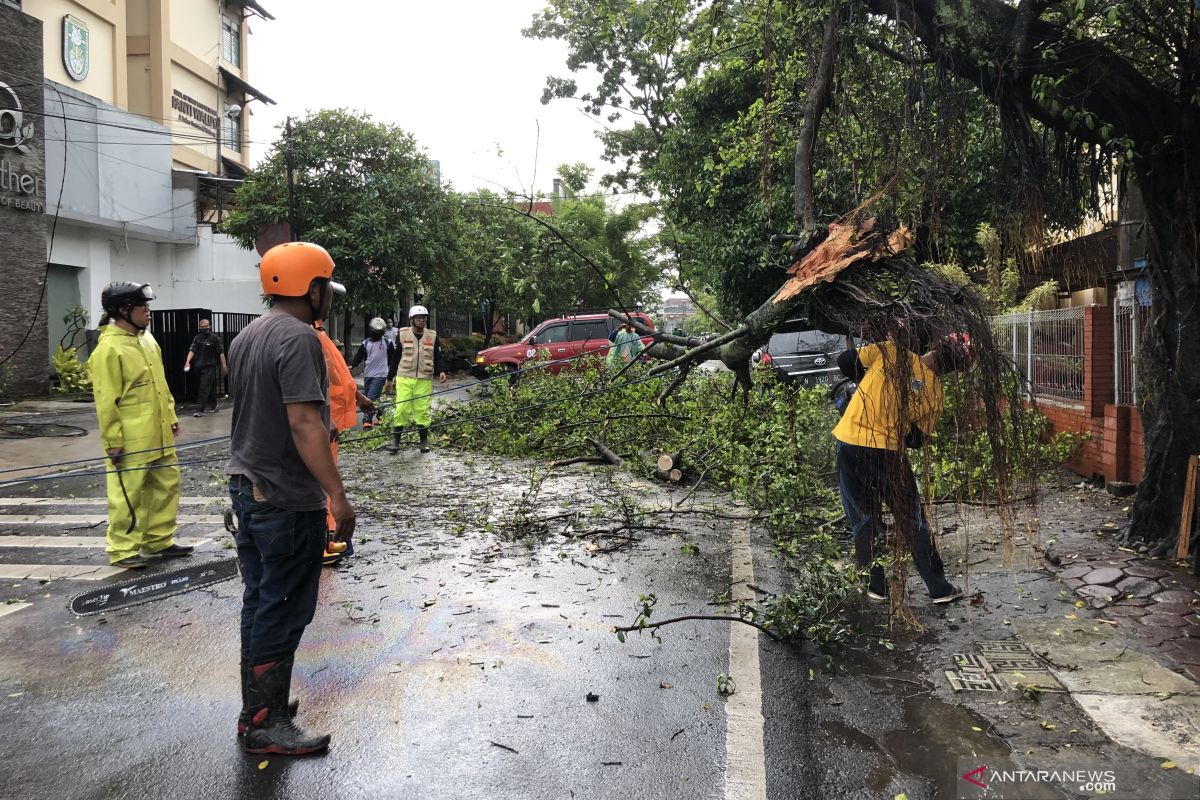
(136, 413)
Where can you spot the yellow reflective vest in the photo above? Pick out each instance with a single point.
(135, 408)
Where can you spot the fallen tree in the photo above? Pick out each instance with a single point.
(1084, 94)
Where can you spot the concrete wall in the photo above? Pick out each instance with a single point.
(118, 167)
(209, 272)
(196, 27)
(199, 143)
(216, 274)
(23, 332)
(106, 29)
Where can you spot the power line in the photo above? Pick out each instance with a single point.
(540, 365)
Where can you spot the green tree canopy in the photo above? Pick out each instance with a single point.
(365, 192)
(511, 257)
(1010, 111)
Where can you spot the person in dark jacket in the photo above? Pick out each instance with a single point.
(205, 357)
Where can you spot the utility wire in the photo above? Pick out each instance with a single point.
(214, 439)
(369, 437)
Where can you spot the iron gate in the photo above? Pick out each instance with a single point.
(174, 329)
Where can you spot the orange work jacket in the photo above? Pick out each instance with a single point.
(343, 391)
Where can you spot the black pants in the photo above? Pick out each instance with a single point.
(280, 553)
(867, 477)
(206, 393)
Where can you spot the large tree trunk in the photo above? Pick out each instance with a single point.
(1171, 395)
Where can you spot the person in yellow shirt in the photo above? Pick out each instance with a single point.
(137, 429)
(877, 426)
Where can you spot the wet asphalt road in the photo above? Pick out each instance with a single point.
(453, 657)
(436, 653)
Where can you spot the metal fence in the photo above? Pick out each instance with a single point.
(1130, 321)
(174, 329)
(1047, 349)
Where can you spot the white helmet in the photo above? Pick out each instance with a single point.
(377, 325)
(417, 311)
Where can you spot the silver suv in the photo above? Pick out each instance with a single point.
(803, 357)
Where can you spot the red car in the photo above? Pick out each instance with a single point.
(557, 339)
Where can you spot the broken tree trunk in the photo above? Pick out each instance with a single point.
(608, 455)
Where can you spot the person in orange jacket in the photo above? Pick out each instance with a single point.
(345, 400)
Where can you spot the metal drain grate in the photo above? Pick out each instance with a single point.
(999, 667)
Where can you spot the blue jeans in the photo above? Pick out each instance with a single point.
(867, 477)
(372, 388)
(280, 554)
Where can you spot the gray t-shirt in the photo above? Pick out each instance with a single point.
(274, 361)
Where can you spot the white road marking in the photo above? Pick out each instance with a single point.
(96, 501)
(745, 755)
(51, 572)
(9, 608)
(97, 519)
(73, 541)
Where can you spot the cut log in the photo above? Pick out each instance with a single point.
(669, 461)
(672, 475)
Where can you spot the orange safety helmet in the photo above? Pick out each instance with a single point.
(288, 269)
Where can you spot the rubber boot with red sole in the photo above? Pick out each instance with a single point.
(272, 731)
(243, 723)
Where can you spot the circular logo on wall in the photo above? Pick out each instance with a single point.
(15, 131)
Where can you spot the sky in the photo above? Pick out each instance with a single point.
(457, 74)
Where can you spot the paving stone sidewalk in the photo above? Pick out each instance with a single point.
(1158, 601)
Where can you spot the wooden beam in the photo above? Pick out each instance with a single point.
(1189, 508)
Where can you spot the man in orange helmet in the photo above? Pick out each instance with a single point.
(281, 471)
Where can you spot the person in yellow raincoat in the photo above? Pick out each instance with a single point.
(345, 399)
(137, 429)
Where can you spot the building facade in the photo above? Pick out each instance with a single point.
(22, 203)
(139, 137)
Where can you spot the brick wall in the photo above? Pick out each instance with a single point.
(1114, 449)
(23, 231)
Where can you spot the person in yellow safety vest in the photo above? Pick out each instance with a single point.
(419, 358)
(345, 399)
(137, 430)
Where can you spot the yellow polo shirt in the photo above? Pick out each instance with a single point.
(872, 418)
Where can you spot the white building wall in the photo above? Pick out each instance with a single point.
(123, 215)
(216, 274)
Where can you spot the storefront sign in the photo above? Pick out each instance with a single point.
(19, 189)
(16, 132)
(194, 113)
(76, 47)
